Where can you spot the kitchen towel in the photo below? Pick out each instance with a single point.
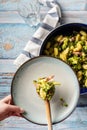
(50, 22)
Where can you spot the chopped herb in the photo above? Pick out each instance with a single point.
(63, 102)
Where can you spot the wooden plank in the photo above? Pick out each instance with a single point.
(6, 75)
(74, 16)
(70, 5)
(8, 4)
(4, 91)
(7, 66)
(7, 70)
(4, 82)
(73, 5)
(13, 38)
(10, 17)
(15, 17)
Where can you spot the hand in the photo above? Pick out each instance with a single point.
(7, 109)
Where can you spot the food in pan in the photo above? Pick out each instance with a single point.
(73, 50)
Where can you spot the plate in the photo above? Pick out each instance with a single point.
(24, 93)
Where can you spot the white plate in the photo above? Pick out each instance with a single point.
(24, 92)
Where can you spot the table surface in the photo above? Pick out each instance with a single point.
(14, 34)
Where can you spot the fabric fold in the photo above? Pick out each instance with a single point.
(50, 22)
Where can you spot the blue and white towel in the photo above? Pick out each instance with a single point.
(51, 20)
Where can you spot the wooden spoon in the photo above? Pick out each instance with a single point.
(48, 114)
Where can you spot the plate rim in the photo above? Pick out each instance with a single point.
(43, 56)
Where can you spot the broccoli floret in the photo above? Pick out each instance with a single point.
(85, 49)
(73, 60)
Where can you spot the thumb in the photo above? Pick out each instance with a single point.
(15, 109)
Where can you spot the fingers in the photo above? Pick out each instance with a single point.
(7, 99)
(17, 114)
(15, 109)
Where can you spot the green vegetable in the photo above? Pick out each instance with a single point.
(63, 102)
(73, 50)
(45, 87)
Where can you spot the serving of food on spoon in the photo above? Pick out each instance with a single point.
(45, 87)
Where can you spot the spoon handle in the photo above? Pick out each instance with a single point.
(48, 114)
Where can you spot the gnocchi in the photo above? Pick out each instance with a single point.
(73, 50)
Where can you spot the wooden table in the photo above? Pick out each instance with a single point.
(14, 34)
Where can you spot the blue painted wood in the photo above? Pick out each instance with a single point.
(14, 34)
(74, 16)
(13, 38)
(70, 5)
(7, 66)
(10, 17)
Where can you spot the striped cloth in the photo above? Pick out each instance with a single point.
(51, 20)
